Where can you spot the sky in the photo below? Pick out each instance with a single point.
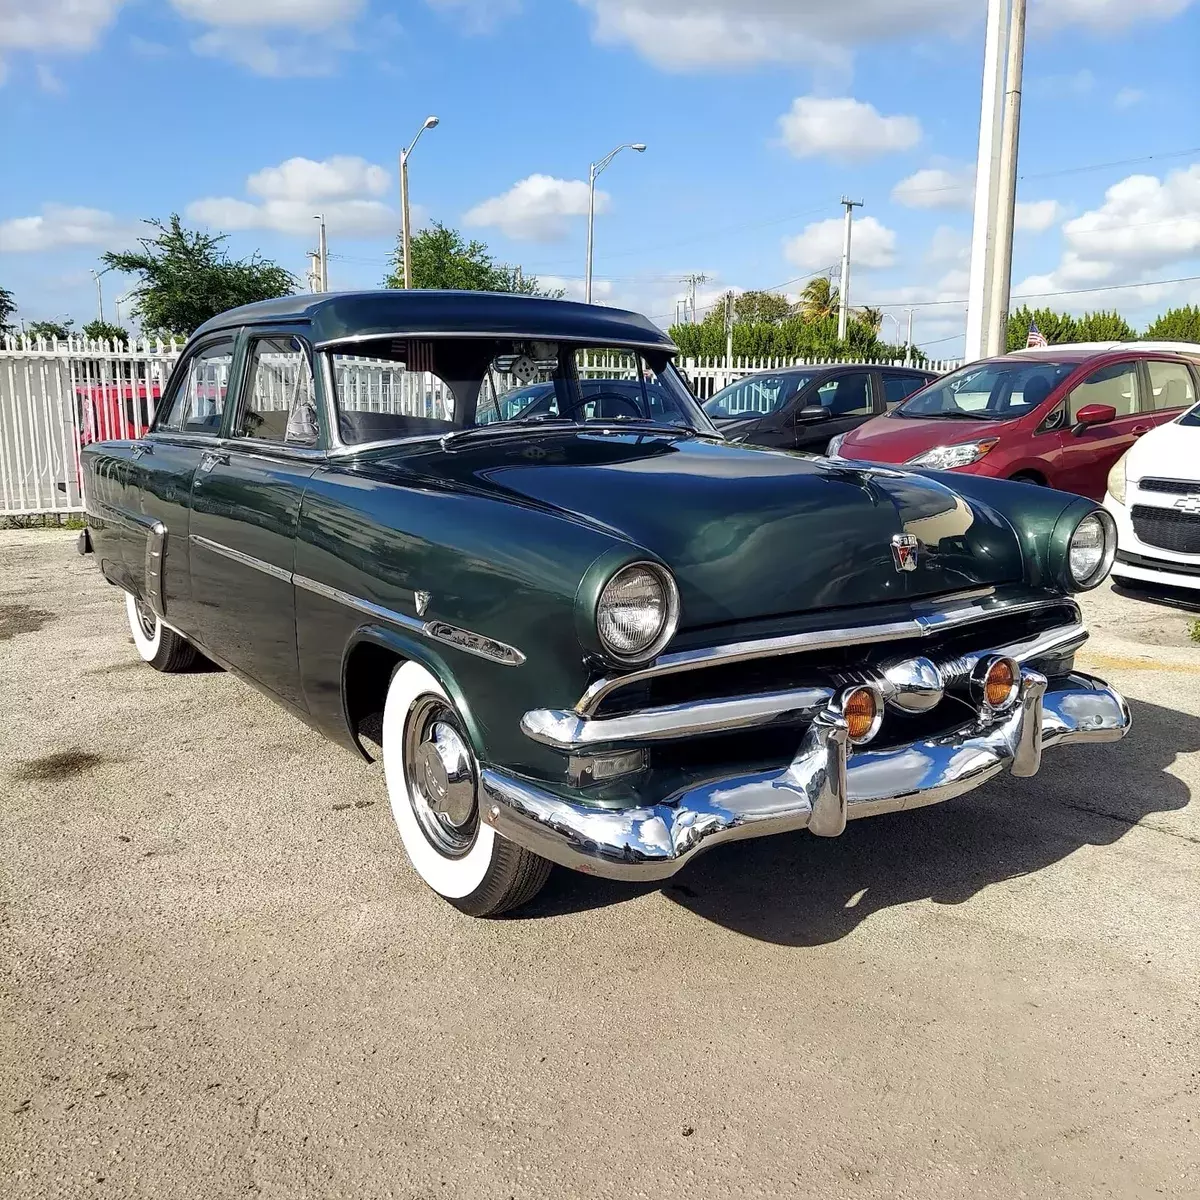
(247, 117)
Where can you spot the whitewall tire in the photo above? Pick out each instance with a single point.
(433, 788)
(157, 645)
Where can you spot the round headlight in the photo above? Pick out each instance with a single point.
(637, 612)
(1091, 550)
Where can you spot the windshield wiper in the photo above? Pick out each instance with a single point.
(525, 425)
(960, 414)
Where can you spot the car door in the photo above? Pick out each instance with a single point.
(245, 505)
(159, 480)
(899, 385)
(1085, 456)
(849, 399)
(1169, 388)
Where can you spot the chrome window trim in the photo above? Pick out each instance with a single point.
(356, 339)
(921, 625)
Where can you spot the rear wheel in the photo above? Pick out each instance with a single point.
(161, 647)
(433, 787)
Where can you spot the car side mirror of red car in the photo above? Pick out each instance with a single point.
(1093, 414)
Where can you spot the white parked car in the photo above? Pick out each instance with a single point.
(1154, 497)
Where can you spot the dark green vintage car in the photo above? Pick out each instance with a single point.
(583, 630)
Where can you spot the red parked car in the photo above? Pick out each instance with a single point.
(1059, 416)
(114, 411)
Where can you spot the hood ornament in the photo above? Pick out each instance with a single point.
(904, 551)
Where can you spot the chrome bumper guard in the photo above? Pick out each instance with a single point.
(826, 784)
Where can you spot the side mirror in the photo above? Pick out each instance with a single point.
(1093, 414)
(813, 412)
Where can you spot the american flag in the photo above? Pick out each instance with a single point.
(1036, 338)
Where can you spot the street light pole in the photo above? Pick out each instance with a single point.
(405, 225)
(322, 256)
(593, 171)
(100, 290)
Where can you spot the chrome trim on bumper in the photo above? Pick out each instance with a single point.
(923, 625)
(568, 730)
(826, 784)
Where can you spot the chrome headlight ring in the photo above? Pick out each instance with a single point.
(670, 614)
(1108, 549)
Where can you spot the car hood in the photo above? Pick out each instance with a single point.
(748, 533)
(1171, 451)
(898, 439)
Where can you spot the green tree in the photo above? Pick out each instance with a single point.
(101, 331)
(871, 316)
(819, 299)
(443, 258)
(185, 277)
(1103, 327)
(1176, 325)
(753, 307)
(1055, 327)
(50, 329)
(8, 306)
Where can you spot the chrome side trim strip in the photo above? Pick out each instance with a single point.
(247, 560)
(156, 547)
(567, 730)
(358, 604)
(923, 625)
(437, 631)
(473, 643)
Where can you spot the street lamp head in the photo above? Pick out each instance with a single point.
(430, 122)
(640, 147)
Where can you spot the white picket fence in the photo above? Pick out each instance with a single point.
(58, 396)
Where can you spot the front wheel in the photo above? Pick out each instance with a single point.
(433, 788)
(161, 647)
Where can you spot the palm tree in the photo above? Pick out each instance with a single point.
(819, 299)
(872, 318)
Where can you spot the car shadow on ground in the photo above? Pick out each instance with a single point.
(801, 890)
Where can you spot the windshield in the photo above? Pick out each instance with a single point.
(993, 391)
(407, 387)
(1191, 417)
(755, 397)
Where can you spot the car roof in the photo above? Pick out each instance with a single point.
(1077, 352)
(826, 368)
(360, 316)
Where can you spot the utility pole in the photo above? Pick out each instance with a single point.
(908, 345)
(690, 303)
(987, 173)
(322, 256)
(728, 330)
(100, 290)
(314, 270)
(844, 299)
(996, 334)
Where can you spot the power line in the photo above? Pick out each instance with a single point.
(1108, 287)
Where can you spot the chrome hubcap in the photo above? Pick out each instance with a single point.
(146, 618)
(441, 777)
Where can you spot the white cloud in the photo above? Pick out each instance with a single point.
(60, 225)
(1105, 16)
(344, 188)
(1036, 216)
(1127, 97)
(1144, 227)
(937, 187)
(310, 15)
(844, 128)
(536, 208)
(48, 81)
(949, 247)
(819, 246)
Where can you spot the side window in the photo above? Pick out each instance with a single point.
(279, 403)
(900, 387)
(847, 396)
(199, 400)
(1171, 386)
(1116, 385)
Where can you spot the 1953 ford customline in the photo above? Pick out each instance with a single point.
(496, 538)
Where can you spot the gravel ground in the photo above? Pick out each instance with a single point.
(219, 976)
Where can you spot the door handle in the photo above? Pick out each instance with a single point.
(139, 449)
(212, 459)
(1138, 430)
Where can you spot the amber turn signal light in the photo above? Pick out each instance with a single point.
(863, 712)
(1000, 683)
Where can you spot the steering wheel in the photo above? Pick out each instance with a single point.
(595, 397)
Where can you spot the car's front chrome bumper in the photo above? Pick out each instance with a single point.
(826, 784)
